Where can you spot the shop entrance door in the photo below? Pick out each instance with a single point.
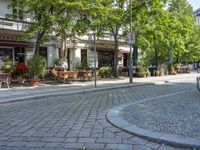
(105, 58)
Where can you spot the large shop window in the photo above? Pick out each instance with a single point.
(105, 58)
(6, 53)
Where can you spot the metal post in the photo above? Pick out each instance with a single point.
(131, 61)
(95, 59)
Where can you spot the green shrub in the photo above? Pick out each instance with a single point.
(171, 69)
(37, 65)
(177, 67)
(140, 71)
(105, 71)
(148, 73)
(84, 65)
(8, 66)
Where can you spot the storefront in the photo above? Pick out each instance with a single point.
(14, 51)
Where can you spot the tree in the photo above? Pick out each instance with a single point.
(45, 15)
(183, 13)
(153, 32)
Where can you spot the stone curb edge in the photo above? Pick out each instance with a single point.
(70, 93)
(113, 116)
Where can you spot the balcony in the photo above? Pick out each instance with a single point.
(14, 25)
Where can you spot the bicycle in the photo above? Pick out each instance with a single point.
(198, 83)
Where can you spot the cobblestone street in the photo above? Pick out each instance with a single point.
(74, 122)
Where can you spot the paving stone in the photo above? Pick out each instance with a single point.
(108, 140)
(71, 140)
(34, 144)
(153, 145)
(74, 145)
(138, 140)
(86, 140)
(53, 139)
(94, 146)
(140, 147)
(56, 145)
(119, 146)
(4, 138)
(72, 122)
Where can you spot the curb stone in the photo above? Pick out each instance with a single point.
(114, 117)
(70, 93)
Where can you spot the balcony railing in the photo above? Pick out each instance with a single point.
(16, 25)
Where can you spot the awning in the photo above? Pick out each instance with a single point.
(17, 43)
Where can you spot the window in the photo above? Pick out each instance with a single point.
(83, 17)
(84, 55)
(43, 52)
(105, 58)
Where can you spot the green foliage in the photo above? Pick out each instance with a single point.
(141, 71)
(81, 65)
(105, 71)
(37, 65)
(177, 67)
(8, 66)
(171, 69)
(84, 65)
(56, 62)
(48, 16)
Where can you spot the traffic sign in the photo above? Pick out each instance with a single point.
(131, 38)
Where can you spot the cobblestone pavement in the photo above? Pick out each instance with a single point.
(173, 115)
(74, 122)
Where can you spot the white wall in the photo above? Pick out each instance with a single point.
(52, 54)
(4, 8)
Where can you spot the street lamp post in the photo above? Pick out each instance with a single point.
(95, 60)
(130, 61)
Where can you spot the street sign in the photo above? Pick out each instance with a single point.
(131, 38)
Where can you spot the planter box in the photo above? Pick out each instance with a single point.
(35, 82)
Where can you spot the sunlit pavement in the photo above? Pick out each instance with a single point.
(77, 121)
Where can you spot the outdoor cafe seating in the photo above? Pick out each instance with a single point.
(5, 79)
(70, 76)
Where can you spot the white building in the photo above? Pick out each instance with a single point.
(79, 48)
(197, 15)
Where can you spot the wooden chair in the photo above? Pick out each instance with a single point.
(54, 74)
(73, 75)
(5, 78)
(63, 75)
(89, 74)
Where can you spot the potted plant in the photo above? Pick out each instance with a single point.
(37, 68)
(7, 66)
(140, 72)
(21, 70)
(171, 69)
(104, 72)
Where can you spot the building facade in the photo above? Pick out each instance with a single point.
(197, 15)
(80, 49)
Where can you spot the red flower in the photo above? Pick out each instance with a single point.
(21, 70)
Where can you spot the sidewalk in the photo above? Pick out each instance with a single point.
(33, 93)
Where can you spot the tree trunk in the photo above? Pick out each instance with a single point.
(115, 73)
(62, 48)
(40, 36)
(135, 55)
(37, 46)
(156, 52)
(68, 58)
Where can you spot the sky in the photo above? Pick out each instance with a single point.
(195, 3)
